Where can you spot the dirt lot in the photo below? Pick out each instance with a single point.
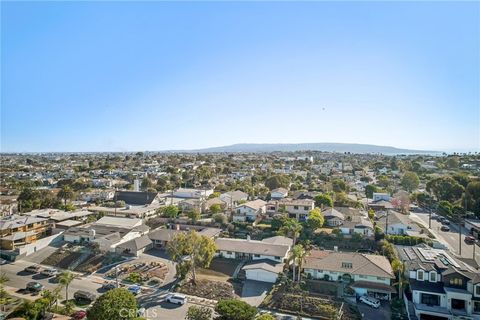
(208, 289)
(220, 270)
(62, 258)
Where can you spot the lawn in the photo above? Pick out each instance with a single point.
(220, 269)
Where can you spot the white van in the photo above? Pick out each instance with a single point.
(49, 272)
(179, 299)
(372, 302)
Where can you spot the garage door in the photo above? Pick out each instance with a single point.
(431, 317)
(261, 275)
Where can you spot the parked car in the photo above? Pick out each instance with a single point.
(470, 239)
(445, 228)
(108, 286)
(134, 289)
(34, 287)
(446, 222)
(32, 269)
(176, 298)
(84, 296)
(372, 302)
(79, 315)
(2, 261)
(50, 272)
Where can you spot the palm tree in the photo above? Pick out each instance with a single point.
(66, 277)
(301, 257)
(66, 193)
(291, 228)
(297, 253)
(401, 281)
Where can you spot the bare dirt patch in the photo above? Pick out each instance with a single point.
(208, 289)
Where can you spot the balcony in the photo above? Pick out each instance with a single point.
(432, 309)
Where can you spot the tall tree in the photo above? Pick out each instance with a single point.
(66, 193)
(445, 188)
(315, 219)
(114, 304)
(199, 250)
(410, 181)
(233, 309)
(323, 200)
(297, 255)
(291, 228)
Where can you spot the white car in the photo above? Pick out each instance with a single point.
(175, 298)
(49, 272)
(2, 261)
(372, 302)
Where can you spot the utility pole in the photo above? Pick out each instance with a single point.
(460, 229)
(115, 201)
(386, 223)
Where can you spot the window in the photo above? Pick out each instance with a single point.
(229, 252)
(420, 275)
(433, 276)
(295, 207)
(347, 265)
(257, 255)
(456, 282)
(476, 306)
(430, 299)
(380, 278)
(277, 258)
(477, 290)
(306, 208)
(361, 276)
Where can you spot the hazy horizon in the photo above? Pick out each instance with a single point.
(137, 76)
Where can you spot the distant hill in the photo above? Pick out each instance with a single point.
(327, 147)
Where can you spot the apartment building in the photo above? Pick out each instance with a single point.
(17, 231)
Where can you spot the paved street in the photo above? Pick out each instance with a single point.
(19, 279)
(449, 238)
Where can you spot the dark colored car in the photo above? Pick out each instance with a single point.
(470, 239)
(445, 228)
(108, 286)
(34, 287)
(84, 296)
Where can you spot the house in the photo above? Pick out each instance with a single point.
(188, 193)
(357, 224)
(264, 270)
(161, 236)
(396, 223)
(298, 209)
(233, 198)
(275, 248)
(279, 193)
(215, 201)
(377, 196)
(134, 198)
(440, 285)
(380, 206)
(134, 247)
(108, 232)
(17, 231)
(189, 205)
(366, 274)
(250, 211)
(333, 217)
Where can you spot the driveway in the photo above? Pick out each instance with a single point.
(253, 292)
(369, 313)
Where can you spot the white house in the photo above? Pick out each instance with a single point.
(367, 274)
(275, 248)
(278, 193)
(250, 211)
(377, 196)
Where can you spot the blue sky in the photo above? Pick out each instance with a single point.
(127, 76)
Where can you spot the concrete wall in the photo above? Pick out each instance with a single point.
(39, 244)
